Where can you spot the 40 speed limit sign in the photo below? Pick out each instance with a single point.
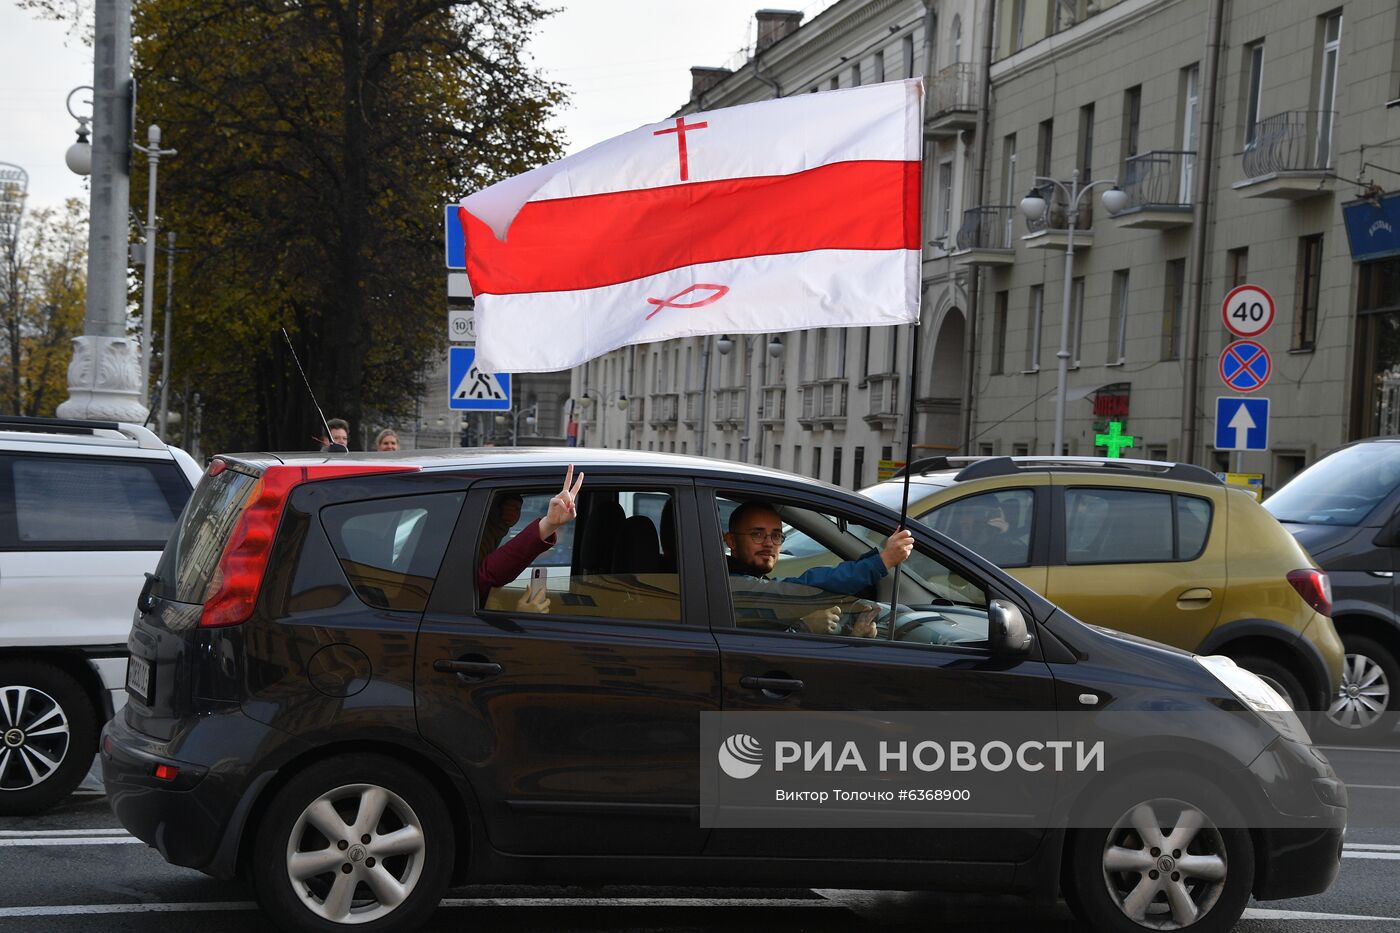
(1248, 311)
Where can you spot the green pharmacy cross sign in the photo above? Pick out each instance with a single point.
(1115, 440)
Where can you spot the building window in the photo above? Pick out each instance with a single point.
(1309, 281)
(1253, 90)
(834, 83)
(865, 353)
(879, 67)
(858, 469)
(999, 332)
(1086, 144)
(797, 458)
(1076, 320)
(1037, 313)
(836, 466)
(956, 37)
(985, 450)
(855, 75)
(1018, 14)
(908, 48)
(1190, 117)
(1020, 450)
(1173, 295)
(1044, 141)
(816, 463)
(842, 334)
(777, 456)
(1331, 35)
(1132, 122)
(893, 345)
(1118, 319)
(945, 198)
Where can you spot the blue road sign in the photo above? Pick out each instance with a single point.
(1241, 423)
(454, 242)
(470, 389)
(1245, 366)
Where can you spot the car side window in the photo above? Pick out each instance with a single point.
(619, 559)
(1133, 526)
(998, 525)
(834, 582)
(75, 503)
(391, 549)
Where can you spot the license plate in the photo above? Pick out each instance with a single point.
(138, 678)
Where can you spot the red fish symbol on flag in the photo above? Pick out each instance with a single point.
(716, 293)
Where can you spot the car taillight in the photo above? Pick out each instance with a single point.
(1314, 587)
(233, 588)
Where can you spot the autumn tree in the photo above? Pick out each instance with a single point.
(317, 143)
(43, 285)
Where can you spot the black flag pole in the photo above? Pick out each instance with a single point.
(908, 457)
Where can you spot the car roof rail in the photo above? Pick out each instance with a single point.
(1009, 466)
(931, 465)
(143, 436)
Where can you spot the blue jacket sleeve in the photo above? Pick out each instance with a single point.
(848, 577)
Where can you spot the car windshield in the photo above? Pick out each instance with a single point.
(891, 494)
(1341, 489)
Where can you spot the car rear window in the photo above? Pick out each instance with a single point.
(1131, 526)
(390, 549)
(194, 550)
(77, 503)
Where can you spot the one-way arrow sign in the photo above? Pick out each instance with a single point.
(1241, 423)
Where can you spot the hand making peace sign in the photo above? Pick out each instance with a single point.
(562, 508)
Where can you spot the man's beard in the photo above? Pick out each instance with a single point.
(741, 565)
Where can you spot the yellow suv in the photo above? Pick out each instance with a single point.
(1161, 550)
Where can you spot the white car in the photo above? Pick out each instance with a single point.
(85, 510)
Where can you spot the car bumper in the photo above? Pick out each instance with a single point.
(195, 818)
(1300, 833)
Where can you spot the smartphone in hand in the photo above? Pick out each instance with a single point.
(539, 584)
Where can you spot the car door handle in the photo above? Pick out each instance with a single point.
(1196, 598)
(779, 685)
(467, 668)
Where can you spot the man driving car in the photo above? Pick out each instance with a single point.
(755, 539)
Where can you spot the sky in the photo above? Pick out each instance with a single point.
(626, 62)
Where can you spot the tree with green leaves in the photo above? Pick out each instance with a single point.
(43, 285)
(317, 142)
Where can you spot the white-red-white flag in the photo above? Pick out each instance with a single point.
(781, 215)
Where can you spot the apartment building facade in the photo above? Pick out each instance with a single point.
(826, 403)
(1299, 127)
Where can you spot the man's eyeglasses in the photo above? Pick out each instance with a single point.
(758, 536)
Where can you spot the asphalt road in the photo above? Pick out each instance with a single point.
(76, 869)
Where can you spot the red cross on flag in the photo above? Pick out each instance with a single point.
(781, 215)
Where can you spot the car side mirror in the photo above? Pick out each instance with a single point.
(1006, 628)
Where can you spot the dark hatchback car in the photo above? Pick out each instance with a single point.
(1345, 509)
(323, 704)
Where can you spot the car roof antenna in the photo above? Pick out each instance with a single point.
(331, 447)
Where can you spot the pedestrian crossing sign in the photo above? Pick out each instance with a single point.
(471, 389)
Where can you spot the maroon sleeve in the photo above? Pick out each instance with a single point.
(506, 562)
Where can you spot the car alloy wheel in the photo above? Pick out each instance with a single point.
(1364, 694)
(34, 737)
(1164, 864)
(356, 853)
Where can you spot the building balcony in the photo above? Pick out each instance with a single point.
(636, 409)
(694, 408)
(824, 403)
(664, 409)
(883, 411)
(1290, 157)
(730, 407)
(774, 410)
(984, 239)
(953, 99)
(1159, 187)
(1052, 230)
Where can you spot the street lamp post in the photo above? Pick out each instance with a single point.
(1033, 207)
(153, 154)
(775, 348)
(531, 419)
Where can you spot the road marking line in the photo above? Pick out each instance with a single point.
(1359, 748)
(1383, 856)
(1260, 913)
(71, 841)
(1378, 846)
(1373, 786)
(27, 833)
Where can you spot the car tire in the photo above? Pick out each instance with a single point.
(1369, 690)
(1115, 883)
(1281, 678)
(299, 873)
(48, 736)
